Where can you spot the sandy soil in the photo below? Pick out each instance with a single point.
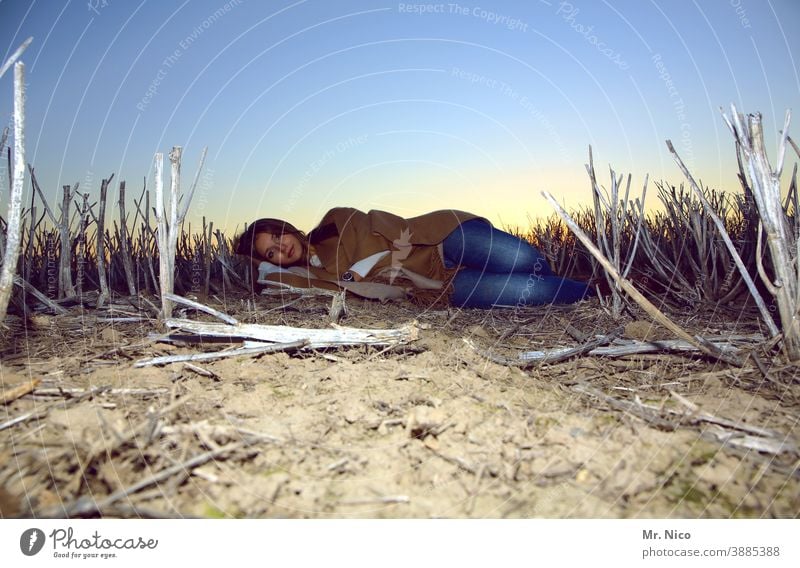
(428, 429)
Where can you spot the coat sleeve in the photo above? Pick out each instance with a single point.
(428, 229)
(353, 239)
(296, 281)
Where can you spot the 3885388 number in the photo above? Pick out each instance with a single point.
(756, 551)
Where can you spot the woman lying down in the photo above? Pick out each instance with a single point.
(444, 257)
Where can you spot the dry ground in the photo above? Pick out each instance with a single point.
(428, 429)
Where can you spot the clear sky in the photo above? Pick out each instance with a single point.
(407, 107)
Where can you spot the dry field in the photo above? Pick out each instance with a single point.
(430, 428)
(449, 423)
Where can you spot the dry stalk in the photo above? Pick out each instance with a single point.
(168, 230)
(203, 308)
(637, 296)
(82, 245)
(765, 315)
(13, 393)
(39, 296)
(101, 245)
(614, 213)
(86, 506)
(318, 338)
(259, 350)
(783, 244)
(124, 242)
(165, 270)
(15, 198)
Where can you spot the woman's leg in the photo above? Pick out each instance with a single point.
(476, 244)
(476, 288)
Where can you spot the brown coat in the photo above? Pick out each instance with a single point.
(414, 267)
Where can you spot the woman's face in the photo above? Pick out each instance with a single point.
(282, 250)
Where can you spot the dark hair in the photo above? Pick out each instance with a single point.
(243, 244)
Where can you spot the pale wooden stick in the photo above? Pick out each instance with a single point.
(38, 190)
(551, 356)
(765, 185)
(646, 413)
(186, 203)
(201, 371)
(633, 347)
(16, 392)
(338, 307)
(15, 197)
(168, 235)
(14, 56)
(706, 417)
(749, 442)
(760, 264)
(45, 408)
(39, 296)
(61, 391)
(21, 418)
(286, 288)
(267, 348)
(203, 308)
(340, 336)
(640, 221)
(387, 500)
(174, 221)
(637, 296)
(165, 274)
(218, 432)
(620, 348)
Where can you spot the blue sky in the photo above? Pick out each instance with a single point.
(408, 107)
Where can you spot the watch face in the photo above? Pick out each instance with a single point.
(347, 276)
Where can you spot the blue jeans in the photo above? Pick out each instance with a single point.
(500, 269)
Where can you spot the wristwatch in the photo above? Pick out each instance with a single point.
(347, 276)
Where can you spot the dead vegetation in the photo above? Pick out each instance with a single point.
(676, 395)
(425, 428)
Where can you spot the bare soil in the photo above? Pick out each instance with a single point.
(432, 428)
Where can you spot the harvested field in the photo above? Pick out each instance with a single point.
(429, 428)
